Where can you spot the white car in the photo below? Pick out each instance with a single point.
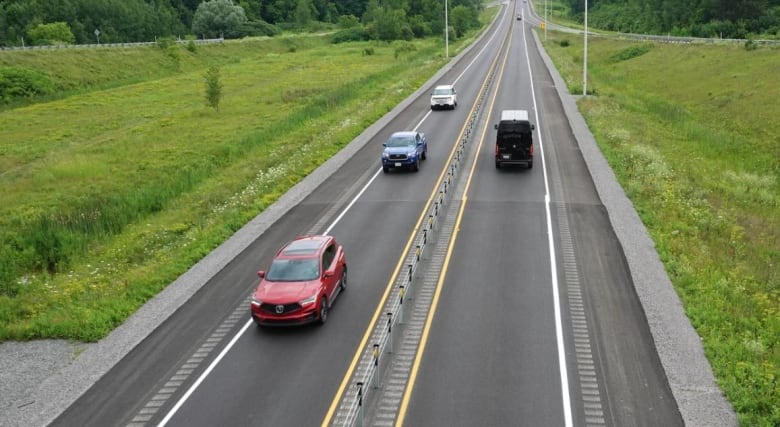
(444, 96)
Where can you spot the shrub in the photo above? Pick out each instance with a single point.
(404, 48)
(419, 26)
(348, 21)
(353, 34)
(17, 82)
(258, 28)
(213, 87)
(564, 43)
(631, 52)
(165, 43)
(368, 51)
(751, 44)
(52, 33)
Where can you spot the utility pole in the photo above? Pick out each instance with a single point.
(585, 63)
(446, 32)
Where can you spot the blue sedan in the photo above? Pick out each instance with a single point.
(404, 150)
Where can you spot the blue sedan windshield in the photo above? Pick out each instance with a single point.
(293, 270)
(401, 141)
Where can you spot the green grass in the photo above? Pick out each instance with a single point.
(124, 178)
(693, 134)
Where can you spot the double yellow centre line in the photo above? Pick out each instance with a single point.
(389, 287)
(442, 277)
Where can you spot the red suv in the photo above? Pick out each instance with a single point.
(306, 275)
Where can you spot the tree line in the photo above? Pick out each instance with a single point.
(697, 18)
(114, 21)
(30, 22)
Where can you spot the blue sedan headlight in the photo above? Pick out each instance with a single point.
(384, 155)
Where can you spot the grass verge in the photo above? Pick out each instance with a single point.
(126, 178)
(692, 133)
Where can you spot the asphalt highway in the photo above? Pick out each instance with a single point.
(493, 352)
(538, 322)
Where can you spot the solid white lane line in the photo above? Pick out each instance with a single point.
(565, 392)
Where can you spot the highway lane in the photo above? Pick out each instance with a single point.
(491, 358)
(492, 355)
(286, 376)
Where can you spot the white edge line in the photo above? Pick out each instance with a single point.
(355, 199)
(235, 338)
(565, 392)
(203, 376)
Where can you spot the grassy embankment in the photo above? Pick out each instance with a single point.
(125, 178)
(693, 134)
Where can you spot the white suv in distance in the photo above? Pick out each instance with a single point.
(444, 96)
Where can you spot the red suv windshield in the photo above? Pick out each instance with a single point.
(293, 270)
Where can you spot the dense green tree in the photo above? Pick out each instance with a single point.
(462, 19)
(703, 18)
(304, 11)
(145, 20)
(218, 18)
(54, 33)
(117, 20)
(388, 24)
(252, 9)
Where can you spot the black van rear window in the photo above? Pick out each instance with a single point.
(518, 127)
(514, 133)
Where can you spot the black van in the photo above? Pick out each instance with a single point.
(514, 139)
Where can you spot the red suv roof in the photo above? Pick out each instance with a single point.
(304, 246)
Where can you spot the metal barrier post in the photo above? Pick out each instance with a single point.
(401, 306)
(359, 417)
(389, 332)
(376, 365)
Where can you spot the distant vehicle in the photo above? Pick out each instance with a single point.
(519, 17)
(514, 139)
(404, 150)
(304, 279)
(444, 96)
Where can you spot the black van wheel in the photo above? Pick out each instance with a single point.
(530, 165)
(498, 165)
